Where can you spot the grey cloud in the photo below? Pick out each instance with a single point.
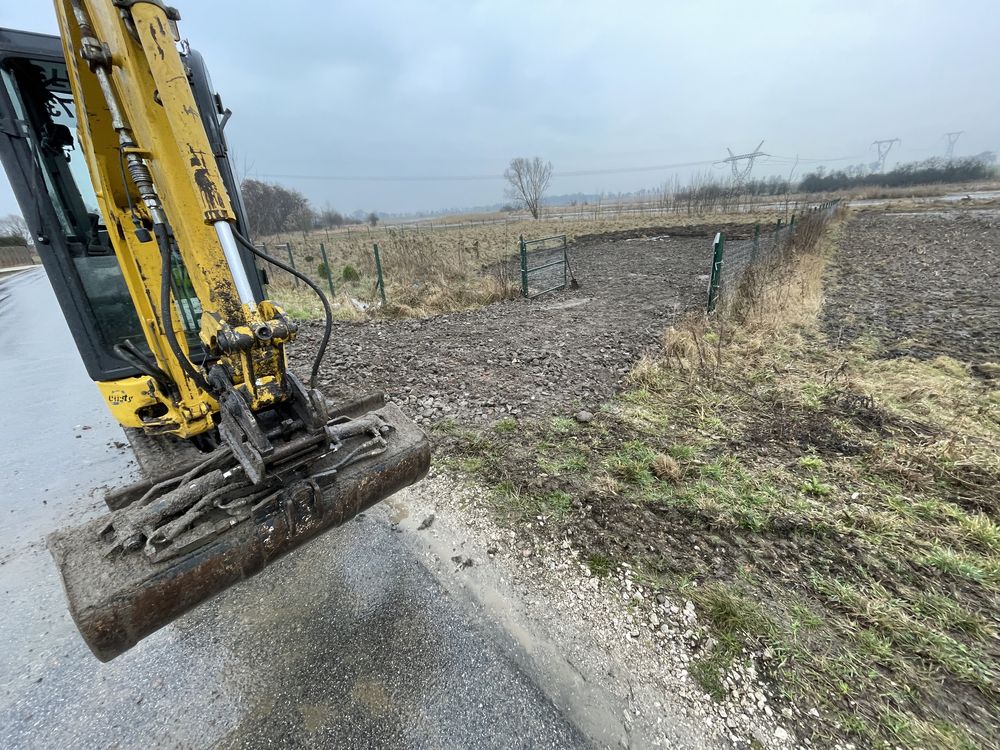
(439, 88)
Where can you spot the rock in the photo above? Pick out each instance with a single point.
(584, 416)
(780, 734)
(426, 523)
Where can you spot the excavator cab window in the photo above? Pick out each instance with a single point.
(42, 101)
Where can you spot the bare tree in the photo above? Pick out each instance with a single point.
(12, 226)
(373, 219)
(528, 179)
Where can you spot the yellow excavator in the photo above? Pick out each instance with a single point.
(112, 138)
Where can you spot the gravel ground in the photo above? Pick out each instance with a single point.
(612, 630)
(924, 284)
(524, 357)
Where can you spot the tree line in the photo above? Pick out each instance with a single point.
(928, 172)
(273, 208)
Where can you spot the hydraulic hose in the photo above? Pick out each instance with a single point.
(160, 230)
(327, 310)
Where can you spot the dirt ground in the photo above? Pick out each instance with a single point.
(923, 284)
(556, 354)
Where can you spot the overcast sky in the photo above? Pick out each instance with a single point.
(430, 88)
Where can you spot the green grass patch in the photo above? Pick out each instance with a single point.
(505, 425)
(813, 486)
(633, 463)
(599, 564)
(563, 425)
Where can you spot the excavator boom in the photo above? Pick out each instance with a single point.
(148, 252)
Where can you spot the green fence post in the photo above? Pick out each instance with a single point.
(713, 284)
(291, 262)
(326, 265)
(523, 247)
(378, 273)
(791, 224)
(565, 265)
(756, 242)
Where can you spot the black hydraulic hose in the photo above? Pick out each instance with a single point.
(328, 311)
(128, 352)
(160, 230)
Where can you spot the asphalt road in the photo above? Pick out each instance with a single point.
(351, 642)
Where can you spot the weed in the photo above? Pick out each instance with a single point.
(599, 564)
(812, 463)
(683, 452)
(813, 486)
(708, 670)
(982, 531)
(963, 565)
(566, 458)
(505, 425)
(633, 463)
(563, 425)
(555, 503)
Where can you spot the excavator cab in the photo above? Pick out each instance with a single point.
(112, 138)
(49, 176)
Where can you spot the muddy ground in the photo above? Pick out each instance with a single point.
(924, 284)
(555, 354)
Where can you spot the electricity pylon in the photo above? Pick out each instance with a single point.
(884, 147)
(952, 140)
(740, 173)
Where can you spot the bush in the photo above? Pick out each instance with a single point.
(350, 274)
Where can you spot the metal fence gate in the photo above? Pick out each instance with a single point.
(544, 265)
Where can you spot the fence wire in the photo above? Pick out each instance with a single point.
(743, 263)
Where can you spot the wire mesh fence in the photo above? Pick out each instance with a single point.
(739, 265)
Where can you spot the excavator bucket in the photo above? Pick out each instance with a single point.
(136, 569)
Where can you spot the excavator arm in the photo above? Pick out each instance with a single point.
(168, 212)
(258, 461)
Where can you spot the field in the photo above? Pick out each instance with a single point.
(453, 266)
(818, 475)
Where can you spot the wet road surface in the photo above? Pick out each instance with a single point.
(351, 642)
